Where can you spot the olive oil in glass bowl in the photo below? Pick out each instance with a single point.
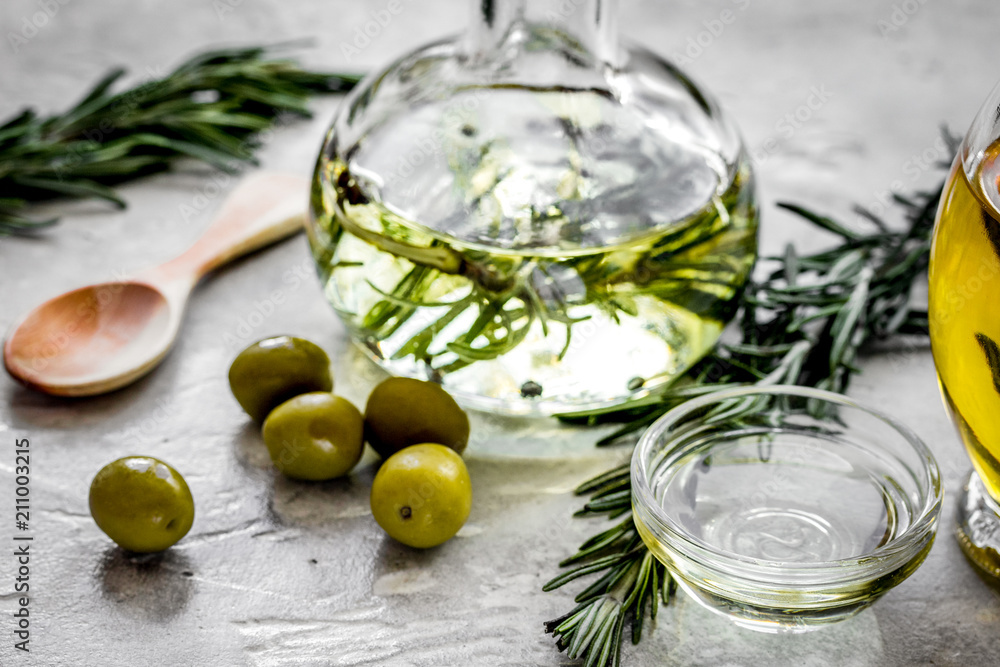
(964, 278)
(780, 521)
(533, 215)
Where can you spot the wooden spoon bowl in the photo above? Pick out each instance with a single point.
(95, 339)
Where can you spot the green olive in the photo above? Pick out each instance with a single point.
(403, 412)
(273, 370)
(422, 495)
(141, 503)
(314, 436)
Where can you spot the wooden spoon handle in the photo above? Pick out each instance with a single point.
(263, 209)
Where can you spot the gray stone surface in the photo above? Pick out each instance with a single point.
(276, 572)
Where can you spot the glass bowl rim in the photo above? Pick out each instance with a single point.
(863, 566)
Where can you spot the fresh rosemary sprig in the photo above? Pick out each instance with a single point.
(632, 580)
(803, 324)
(210, 109)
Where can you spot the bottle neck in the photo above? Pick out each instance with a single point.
(591, 26)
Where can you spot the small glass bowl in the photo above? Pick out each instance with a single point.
(784, 508)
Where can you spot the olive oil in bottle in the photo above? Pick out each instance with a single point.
(535, 311)
(537, 216)
(964, 309)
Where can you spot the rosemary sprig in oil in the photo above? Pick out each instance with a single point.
(803, 323)
(698, 266)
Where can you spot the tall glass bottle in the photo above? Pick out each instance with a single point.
(965, 326)
(534, 215)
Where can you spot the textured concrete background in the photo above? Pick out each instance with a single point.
(276, 572)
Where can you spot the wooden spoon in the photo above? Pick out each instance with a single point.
(102, 337)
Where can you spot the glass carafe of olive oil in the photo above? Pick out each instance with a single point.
(964, 313)
(539, 218)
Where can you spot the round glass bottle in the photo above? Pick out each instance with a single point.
(539, 218)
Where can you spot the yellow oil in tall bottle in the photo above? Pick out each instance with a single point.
(964, 309)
